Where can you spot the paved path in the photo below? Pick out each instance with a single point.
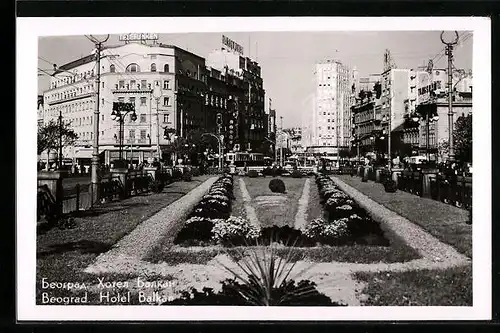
(334, 279)
(445, 222)
(146, 235)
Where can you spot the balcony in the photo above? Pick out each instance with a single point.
(132, 89)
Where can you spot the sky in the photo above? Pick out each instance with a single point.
(287, 59)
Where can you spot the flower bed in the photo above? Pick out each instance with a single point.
(344, 222)
(211, 222)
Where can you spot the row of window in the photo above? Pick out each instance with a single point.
(86, 89)
(142, 84)
(70, 108)
(72, 79)
(134, 68)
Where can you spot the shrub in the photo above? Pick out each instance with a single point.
(196, 230)
(195, 172)
(235, 231)
(390, 186)
(296, 174)
(187, 176)
(253, 174)
(157, 186)
(290, 293)
(176, 174)
(267, 171)
(364, 179)
(277, 186)
(66, 223)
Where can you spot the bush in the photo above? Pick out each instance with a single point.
(157, 186)
(195, 172)
(296, 174)
(277, 186)
(187, 176)
(290, 293)
(390, 186)
(176, 174)
(234, 231)
(253, 174)
(198, 230)
(267, 171)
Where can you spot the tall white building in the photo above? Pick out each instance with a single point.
(332, 104)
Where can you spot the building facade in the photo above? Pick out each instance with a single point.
(250, 108)
(191, 97)
(331, 121)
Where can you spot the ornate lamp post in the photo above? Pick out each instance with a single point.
(120, 111)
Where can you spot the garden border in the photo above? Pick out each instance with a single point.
(415, 236)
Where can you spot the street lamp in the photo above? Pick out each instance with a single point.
(431, 116)
(157, 93)
(219, 139)
(120, 111)
(388, 118)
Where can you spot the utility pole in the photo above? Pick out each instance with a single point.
(60, 141)
(281, 142)
(95, 149)
(157, 93)
(449, 53)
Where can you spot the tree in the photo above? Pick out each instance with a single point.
(462, 138)
(49, 135)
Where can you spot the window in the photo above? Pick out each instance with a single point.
(143, 118)
(131, 134)
(102, 101)
(132, 100)
(166, 84)
(112, 68)
(132, 84)
(143, 101)
(143, 134)
(121, 84)
(166, 101)
(103, 85)
(166, 68)
(153, 67)
(102, 117)
(121, 99)
(132, 68)
(130, 117)
(143, 84)
(166, 118)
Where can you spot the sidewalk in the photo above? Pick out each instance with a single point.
(443, 221)
(63, 253)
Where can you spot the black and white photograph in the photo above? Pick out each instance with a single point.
(190, 170)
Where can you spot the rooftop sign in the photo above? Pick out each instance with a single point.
(232, 45)
(138, 37)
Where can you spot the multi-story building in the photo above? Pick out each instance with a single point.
(252, 131)
(192, 95)
(294, 139)
(331, 121)
(435, 95)
(129, 73)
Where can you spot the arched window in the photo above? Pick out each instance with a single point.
(132, 68)
(112, 69)
(153, 67)
(166, 69)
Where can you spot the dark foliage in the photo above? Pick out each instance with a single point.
(277, 186)
(187, 176)
(195, 233)
(176, 174)
(303, 293)
(285, 235)
(119, 164)
(195, 172)
(157, 186)
(253, 174)
(390, 186)
(66, 223)
(296, 174)
(364, 179)
(267, 171)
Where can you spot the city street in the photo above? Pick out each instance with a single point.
(275, 175)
